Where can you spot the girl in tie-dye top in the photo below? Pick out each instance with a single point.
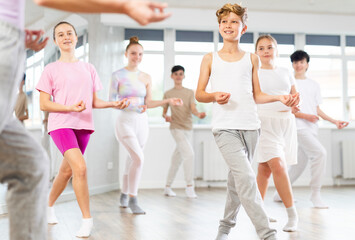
(127, 84)
(132, 123)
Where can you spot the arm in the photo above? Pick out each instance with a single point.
(309, 117)
(99, 103)
(340, 124)
(260, 97)
(24, 117)
(167, 118)
(201, 94)
(157, 103)
(47, 105)
(196, 112)
(143, 12)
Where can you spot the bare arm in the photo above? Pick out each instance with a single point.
(196, 112)
(47, 105)
(24, 117)
(260, 97)
(340, 124)
(157, 103)
(99, 103)
(201, 94)
(142, 11)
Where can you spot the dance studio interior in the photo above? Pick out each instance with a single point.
(323, 29)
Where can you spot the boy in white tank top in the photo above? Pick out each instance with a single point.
(235, 89)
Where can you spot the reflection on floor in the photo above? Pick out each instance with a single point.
(180, 218)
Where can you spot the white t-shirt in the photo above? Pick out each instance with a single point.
(310, 99)
(276, 81)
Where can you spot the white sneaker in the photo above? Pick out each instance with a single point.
(51, 217)
(85, 229)
(169, 192)
(190, 192)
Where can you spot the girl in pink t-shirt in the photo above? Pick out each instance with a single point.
(73, 85)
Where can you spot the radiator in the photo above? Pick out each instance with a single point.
(348, 159)
(214, 166)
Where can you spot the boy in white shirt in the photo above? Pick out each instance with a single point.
(309, 146)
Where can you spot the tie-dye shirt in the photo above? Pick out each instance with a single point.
(126, 84)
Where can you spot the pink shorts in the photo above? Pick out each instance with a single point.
(66, 138)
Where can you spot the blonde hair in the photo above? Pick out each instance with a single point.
(266, 36)
(132, 41)
(234, 8)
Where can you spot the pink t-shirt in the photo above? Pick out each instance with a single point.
(69, 83)
(13, 12)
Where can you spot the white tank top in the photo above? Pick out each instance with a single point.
(234, 78)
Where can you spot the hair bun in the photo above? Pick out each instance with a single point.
(133, 39)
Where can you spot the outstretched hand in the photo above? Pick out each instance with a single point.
(78, 107)
(341, 124)
(221, 97)
(36, 43)
(167, 118)
(176, 101)
(145, 12)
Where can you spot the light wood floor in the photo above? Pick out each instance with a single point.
(180, 218)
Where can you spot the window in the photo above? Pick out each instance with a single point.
(285, 42)
(327, 72)
(351, 89)
(246, 42)
(190, 47)
(152, 64)
(350, 45)
(323, 45)
(34, 68)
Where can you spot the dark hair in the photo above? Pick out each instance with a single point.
(299, 55)
(177, 68)
(24, 77)
(132, 41)
(60, 23)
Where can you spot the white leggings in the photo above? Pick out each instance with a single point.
(309, 148)
(132, 131)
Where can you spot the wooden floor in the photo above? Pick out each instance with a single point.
(180, 218)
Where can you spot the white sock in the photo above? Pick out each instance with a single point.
(292, 222)
(169, 192)
(190, 192)
(85, 229)
(51, 217)
(317, 200)
(222, 236)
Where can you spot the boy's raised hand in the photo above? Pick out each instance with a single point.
(221, 97)
(341, 124)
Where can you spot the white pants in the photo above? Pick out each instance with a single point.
(309, 148)
(183, 153)
(132, 131)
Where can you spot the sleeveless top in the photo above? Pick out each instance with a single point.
(126, 84)
(234, 78)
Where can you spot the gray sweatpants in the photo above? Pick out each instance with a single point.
(237, 148)
(23, 162)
